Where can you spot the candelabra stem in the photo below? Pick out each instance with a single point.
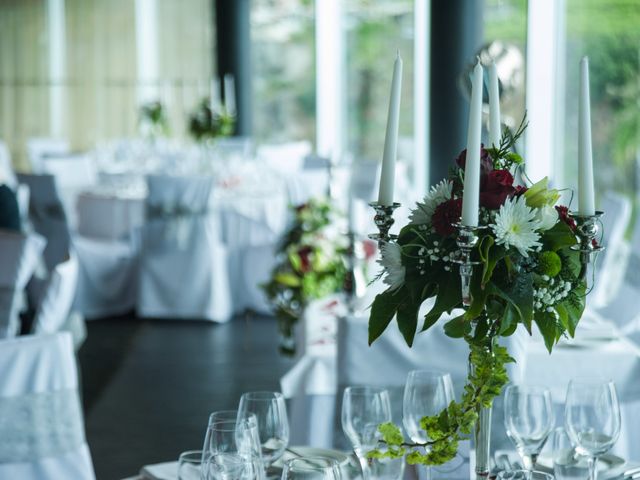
(384, 221)
(466, 240)
(587, 229)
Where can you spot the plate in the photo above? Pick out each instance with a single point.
(296, 452)
(606, 462)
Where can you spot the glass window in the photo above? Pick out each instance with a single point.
(607, 31)
(283, 68)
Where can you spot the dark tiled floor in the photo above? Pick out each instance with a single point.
(148, 386)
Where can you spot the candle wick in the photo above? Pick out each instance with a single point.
(478, 59)
(397, 53)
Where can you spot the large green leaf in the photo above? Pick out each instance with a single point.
(457, 327)
(447, 298)
(490, 254)
(407, 319)
(508, 321)
(558, 237)
(519, 293)
(383, 309)
(547, 325)
(574, 304)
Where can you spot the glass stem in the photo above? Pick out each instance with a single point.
(427, 472)
(364, 463)
(593, 468)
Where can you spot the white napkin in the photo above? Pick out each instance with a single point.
(160, 471)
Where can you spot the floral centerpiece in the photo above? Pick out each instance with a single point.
(152, 119)
(205, 123)
(527, 273)
(312, 264)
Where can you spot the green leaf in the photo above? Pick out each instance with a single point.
(407, 319)
(447, 298)
(519, 293)
(391, 434)
(547, 326)
(457, 327)
(558, 237)
(574, 304)
(508, 321)
(288, 279)
(383, 309)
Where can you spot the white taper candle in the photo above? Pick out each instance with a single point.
(471, 194)
(388, 173)
(230, 94)
(494, 107)
(586, 203)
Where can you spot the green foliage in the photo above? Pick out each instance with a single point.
(487, 377)
(549, 263)
(205, 124)
(152, 119)
(311, 264)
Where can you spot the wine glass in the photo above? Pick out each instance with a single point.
(567, 463)
(426, 393)
(232, 450)
(363, 409)
(528, 420)
(592, 419)
(273, 425)
(222, 416)
(311, 468)
(523, 475)
(189, 465)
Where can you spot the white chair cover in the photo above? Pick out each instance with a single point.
(19, 256)
(38, 148)
(108, 217)
(107, 276)
(284, 157)
(73, 174)
(54, 309)
(7, 174)
(183, 264)
(48, 217)
(40, 412)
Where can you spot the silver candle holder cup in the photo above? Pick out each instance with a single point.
(466, 240)
(384, 221)
(587, 229)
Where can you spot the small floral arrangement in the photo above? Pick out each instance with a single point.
(205, 123)
(311, 264)
(527, 273)
(153, 119)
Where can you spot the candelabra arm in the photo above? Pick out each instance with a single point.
(384, 221)
(466, 240)
(587, 229)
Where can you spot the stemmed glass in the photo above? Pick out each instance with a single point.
(426, 393)
(363, 409)
(273, 425)
(232, 450)
(528, 420)
(311, 468)
(592, 419)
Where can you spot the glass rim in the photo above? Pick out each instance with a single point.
(590, 381)
(262, 395)
(232, 416)
(191, 456)
(231, 424)
(365, 389)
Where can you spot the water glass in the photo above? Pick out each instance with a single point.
(273, 425)
(426, 393)
(592, 419)
(311, 468)
(528, 420)
(232, 450)
(189, 464)
(524, 475)
(567, 463)
(363, 409)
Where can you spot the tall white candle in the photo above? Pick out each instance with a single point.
(494, 107)
(586, 203)
(471, 194)
(229, 94)
(214, 95)
(388, 173)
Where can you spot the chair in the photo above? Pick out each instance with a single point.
(53, 313)
(183, 264)
(38, 148)
(73, 174)
(7, 175)
(19, 256)
(48, 217)
(40, 412)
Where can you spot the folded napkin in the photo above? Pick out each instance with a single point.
(160, 471)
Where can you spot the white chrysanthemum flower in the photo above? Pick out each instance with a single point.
(515, 226)
(423, 212)
(391, 261)
(547, 217)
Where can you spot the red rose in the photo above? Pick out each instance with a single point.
(496, 188)
(520, 190)
(563, 214)
(305, 261)
(486, 164)
(445, 215)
